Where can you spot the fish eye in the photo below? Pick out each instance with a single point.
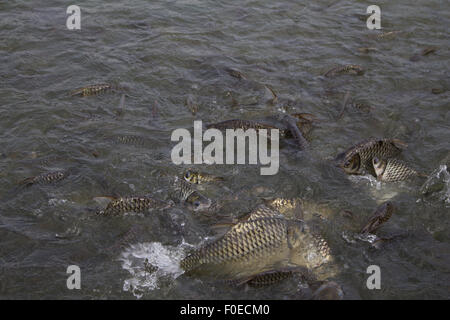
(187, 175)
(196, 204)
(376, 160)
(347, 163)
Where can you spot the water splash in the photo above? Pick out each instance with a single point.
(437, 186)
(164, 257)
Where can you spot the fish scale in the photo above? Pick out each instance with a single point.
(130, 204)
(392, 170)
(251, 238)
(46, 178)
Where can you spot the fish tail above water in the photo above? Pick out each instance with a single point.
(295, 131)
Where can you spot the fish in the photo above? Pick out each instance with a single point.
(194, 200)
(45, 178)
(241, 124)
(387, 35)
(191, 104)
(264, 240)
(131, 140)
(286, 205)
(344, 104)
(358, 158)
(329, 290)
(235, 73)
(267, 278)
(362, 107)
(274, 94)
(121, 205)
(294, 130)
(423, 53)
(392, 170)
(382, 214)
(437, 90)
(366, 49)
(351, 69)
(196, 177)
(94, 89)
(298, 208)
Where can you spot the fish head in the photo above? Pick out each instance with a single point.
(191, 176)
(385, 210)
(197, 202)
(379, 165)
(351, 165)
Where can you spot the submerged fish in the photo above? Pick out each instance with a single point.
(387, 35)
(123, 205)
(235, 73)
(382, 214)
(329, 290)
(358, 159)
(131, 140)
(267, 278)
(94, 89)
(391, 170)
(191, 104)
(45, 178)
(423, 53)
(351, 69)
(264, 241)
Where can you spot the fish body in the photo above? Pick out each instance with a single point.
(392, 170)
(46, 178)
(119, 206)
(131, 140)
(351, 69)
(258, 244)
(242, 124)
(358, 159)
(196, 177)
(94, 89)
(382, 214)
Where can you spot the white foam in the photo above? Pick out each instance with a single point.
(166, 258)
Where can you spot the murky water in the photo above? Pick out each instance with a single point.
(166, 51)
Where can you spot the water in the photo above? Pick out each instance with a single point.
(167, 51)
